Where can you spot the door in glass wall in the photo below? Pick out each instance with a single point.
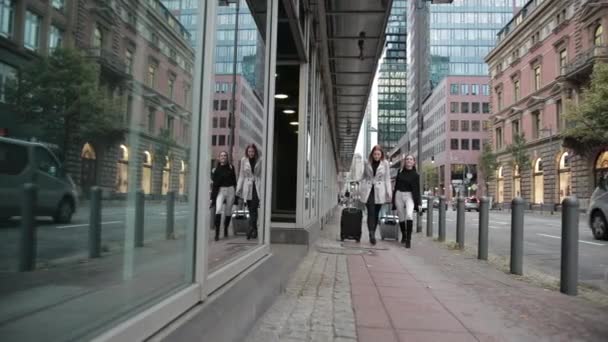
(110, 242)
(239, 170)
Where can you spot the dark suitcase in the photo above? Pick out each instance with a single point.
(350, 224)
(389, 227)
(240, 221)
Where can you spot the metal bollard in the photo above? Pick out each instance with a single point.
(429, 218)
(569, 258)
(27, 250)
(419, 220)
(460, 222)
(517, 236)
(139, 218)
(484, 222)
(442, 218)
(170, 233)
(95, 223)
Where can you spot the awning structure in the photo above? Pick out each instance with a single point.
(351, 39)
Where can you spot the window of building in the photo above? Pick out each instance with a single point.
(129, 61)
(516, 90)
(464, 89)
(216, 105)
(536, 125)
(7, 18)
(453, 144)
(476, 144)
(58, 4)
(475, 89)
(97, 38)
(222, 140)
(464, 125)
(214, 140)
(151, 120)
(55, 38)
(558, 115)
(222, 122)
(169, 125)
(537, 77)
(475, 107)
(515, 54)
(498, 138)
(171, 86)
(453, 107)
(485, 107)
(453, 125)
(33, 24)
(563, 60)
(151, 79)
(454, 89)
(464, 144)
(475, 125)
(485, 125)
(499, 99)
(7, 73)
(187, 95)
(485, 90)
(515, 128)
(214, 122)
(464, 107)
(598, 39)
(224, 105)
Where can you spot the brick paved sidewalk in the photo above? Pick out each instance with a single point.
(348, 292)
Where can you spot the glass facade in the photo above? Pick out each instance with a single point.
(462, 34)
(392, 82)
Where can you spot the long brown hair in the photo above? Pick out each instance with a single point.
(370, 159)
(255, 148)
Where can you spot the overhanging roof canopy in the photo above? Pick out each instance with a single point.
(351, 38)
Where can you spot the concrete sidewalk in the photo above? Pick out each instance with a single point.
(426, 293)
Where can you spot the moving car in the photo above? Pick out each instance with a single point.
(24, 162)
(598, 210)
(471, 203)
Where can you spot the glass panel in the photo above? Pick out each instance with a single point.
(108, 153)
(237, 200)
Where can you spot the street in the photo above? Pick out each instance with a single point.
(542, 243)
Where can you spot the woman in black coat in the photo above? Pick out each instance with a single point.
(222, 193)
(406, 197)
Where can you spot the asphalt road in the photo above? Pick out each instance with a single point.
(542, 243)
(59, 243)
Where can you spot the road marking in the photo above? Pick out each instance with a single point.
(85, 225)
(581, 241)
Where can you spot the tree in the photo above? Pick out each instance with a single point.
(488, 165)
(431, 176)
(587, 122)
(61, 93)
(519, 154)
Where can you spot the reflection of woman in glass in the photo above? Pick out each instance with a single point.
(250, 176)
(224, 181)
(375, 188)
(406, 197)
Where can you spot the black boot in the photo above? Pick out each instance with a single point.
(226, 225)
(402, 226)
(218, 221)
(372, 237)
(408, 233)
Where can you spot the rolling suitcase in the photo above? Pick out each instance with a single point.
(350, 224)
(240, 221)
(389, 226)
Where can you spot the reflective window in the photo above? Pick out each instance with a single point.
(32, 31)
(7, 17)
(55, 38)
(598, 34)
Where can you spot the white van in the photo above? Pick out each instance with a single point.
(598, 210)
(24, 162)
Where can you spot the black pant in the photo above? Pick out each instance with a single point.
(252, 206)
(373, 211)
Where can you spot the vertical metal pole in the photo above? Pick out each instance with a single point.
(170, 232)
(95, 223)
(421, 6)
(429, 217)
(27, 248)
(569, 258)
(517, 236)
(139, 218)
(484, 222)
(442, 218)
(460, 222)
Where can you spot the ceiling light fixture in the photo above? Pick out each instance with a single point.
(281, 96)
(289, 111)
(294, 123)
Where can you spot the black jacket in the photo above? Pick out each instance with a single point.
(222, 176)
(408, 180)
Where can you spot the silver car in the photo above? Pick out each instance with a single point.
(598, 210)
(24, 162)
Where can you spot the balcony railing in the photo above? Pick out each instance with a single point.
(586, 59)
(108, 60)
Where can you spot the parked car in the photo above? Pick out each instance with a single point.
(598, 210)
(471, 203)
(24, 162)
